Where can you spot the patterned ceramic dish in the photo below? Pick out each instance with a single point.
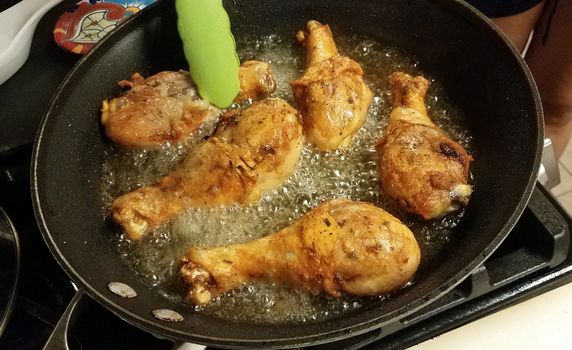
(83, 25)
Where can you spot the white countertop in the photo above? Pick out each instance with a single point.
(542, 322)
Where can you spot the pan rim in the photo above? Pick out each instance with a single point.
(295, 341)
(11, 302)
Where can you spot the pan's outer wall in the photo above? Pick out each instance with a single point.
(483, 76)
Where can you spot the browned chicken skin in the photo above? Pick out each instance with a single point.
(256, 81)
(419, 165)
(251, 152)
(339, 247)
(331, 95)
(166, 107)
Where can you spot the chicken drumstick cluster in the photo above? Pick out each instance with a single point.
(341, 246)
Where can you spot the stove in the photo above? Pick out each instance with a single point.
(536, 256)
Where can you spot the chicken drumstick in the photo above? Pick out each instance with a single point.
(250, 153)
(331, 95)
(339, 247)
(166, 106)
(419, 165)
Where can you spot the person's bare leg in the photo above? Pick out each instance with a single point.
(518, 27)
(550, 61)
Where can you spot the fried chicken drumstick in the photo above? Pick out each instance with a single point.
(166, 107)
(331, 95)
(419, 165)
(339, 247)
(251, 151)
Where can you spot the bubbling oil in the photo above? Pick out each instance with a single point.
(319, 177)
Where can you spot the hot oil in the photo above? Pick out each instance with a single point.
(351, 173)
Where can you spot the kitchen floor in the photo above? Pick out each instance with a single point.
(563, 192)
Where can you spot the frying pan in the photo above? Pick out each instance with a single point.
(483, 75)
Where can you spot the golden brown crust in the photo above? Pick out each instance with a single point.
(406, 90)
(251, 152)
(419, 165)
(256, 81)
(331, 95)
(339, 247)
(162, 108)
(318, 41)
(166, 107)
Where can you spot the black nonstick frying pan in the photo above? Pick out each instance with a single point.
(482, 74)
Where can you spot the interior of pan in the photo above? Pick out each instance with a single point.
(482, 75)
